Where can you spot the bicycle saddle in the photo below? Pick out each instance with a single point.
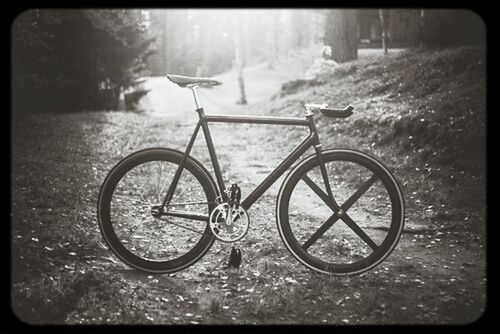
(338, 113)
(184, 81)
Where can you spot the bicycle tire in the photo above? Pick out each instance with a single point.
(107, 228)
(301, 252)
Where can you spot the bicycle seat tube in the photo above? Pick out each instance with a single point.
(195, 95)
(178, 172)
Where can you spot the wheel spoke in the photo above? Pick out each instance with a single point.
(330, 221)
(142, 197)
(364, 187)
(179, 196)
(136, 227)
(163, 186)
(317, 190)
(149, 246)
(141, 190)
(158, 179)
(132, 199)
(319, 232)
(359, 231)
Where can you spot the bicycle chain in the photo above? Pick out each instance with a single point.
(184, 227)
(218, 200)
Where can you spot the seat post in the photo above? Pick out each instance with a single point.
(195, 95)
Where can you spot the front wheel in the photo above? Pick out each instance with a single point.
(359, 238)
(126, 211)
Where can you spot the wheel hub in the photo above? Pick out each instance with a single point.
(156, 211)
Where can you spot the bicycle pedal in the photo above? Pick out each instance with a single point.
(234, 258)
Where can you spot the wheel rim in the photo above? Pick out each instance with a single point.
(135, 235)
(360, 239)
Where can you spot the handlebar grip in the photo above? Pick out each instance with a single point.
(316, 106)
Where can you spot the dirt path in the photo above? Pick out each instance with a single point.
(435, 275)
(427, 278)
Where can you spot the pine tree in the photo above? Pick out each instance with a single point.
(67, 60)
(341, 34)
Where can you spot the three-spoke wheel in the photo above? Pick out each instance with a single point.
(354, 240)
(128, 211)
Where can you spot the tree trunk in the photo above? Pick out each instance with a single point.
(164, 45)
(383, 30)
(299, 24)
(341, 34)
(421, 24)
(272, 39)
(238, 57)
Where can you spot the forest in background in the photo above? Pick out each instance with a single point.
(74, 60)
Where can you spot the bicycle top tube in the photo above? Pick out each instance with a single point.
(255, 119)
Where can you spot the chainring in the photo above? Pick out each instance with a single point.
(229, 224)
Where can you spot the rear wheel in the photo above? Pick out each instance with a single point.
(355, 241)
(126, 204)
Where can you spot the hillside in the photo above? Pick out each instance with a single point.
(429, 103)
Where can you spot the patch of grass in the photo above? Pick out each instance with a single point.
(215, 305)
(54, 187)
(51, 299)
(408, 268)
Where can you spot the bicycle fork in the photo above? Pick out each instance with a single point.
(324, 174)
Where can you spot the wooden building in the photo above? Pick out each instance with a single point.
(401, 24)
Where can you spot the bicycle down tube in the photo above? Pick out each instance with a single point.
(312, 140)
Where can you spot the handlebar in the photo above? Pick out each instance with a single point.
(330, 112)
(315, 106)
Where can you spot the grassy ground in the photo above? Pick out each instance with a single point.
(63, 273)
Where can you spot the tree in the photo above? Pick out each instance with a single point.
(299, 26)
(341, 34)
(383, 30)
(201, 42)
(71, 60)
(272, 39)
(238, 56)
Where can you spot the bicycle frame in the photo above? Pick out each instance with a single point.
(312, 140)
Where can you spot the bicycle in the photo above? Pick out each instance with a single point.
(186, 211)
